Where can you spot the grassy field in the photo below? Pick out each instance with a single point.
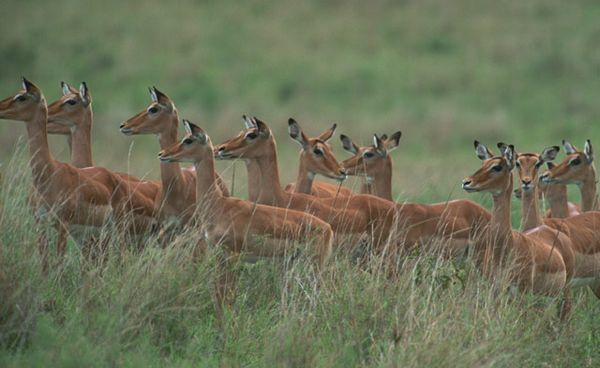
(443, 72)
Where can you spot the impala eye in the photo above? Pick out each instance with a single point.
(575, 162)
(188, 141)
(318, 152)
(496, 168)
(251, 135)
(70, 102)
(368, 154)
(20, 98)
(153, 110)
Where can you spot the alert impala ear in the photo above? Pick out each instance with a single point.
(161, 98)
(296, 132)
(588, 151)
(248, 123)
(32, 89)
(348, 145)
(569, 148)
(482, 151)
(508, 152)
(392, 142)
(84, 94)
(263, 129)
(66, 89)
(326, 135)
(549, 154)
(195, 130)
(379, 146)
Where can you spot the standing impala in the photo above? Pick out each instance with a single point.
(537, 254)
(583, 230)
(73, 112)
(577, 168)
(74, 196)
(313, 154)
(461, 218)
(176, 201)
(242, 226)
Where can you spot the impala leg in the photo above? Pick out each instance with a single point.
(61, 240)
(567, 303)
(226, 278)
(43, 247)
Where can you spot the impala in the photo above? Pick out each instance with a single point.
(539, 265)
(72, 195)
(583, 230)
(176, 201)
(313, 155)
(577, 168)
(73, 112)
(462, 218)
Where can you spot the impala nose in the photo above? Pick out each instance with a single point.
(122, 126)
(466, 183)
(526, 183)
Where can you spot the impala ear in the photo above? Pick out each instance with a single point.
(588, 151)
(482, 151)
(392, 142)
(508, 152)
(263, 129)
(326, 135)
(296, 132)
(153, 94)
(569, 148)
(379, 146)
(84, 93)
(31, 89)
(248, 123)
(66, 89)
(161, 98)
(195, 130)
(348, 145)
(549, 154)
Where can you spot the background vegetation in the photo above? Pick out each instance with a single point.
(443, 72)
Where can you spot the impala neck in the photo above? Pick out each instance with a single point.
(41, 159)
(589, 196)
(500, 226)
(380, 184)
(265, 185)
(304, 180)
(170, 172)
(530, 211)
(81, 145)
(556, 195)
(207, 193)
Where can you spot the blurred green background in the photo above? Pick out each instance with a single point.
(443, 72)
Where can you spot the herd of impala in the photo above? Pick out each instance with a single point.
(548, 256)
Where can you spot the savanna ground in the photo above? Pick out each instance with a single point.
(443, 72)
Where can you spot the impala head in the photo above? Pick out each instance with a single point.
(576, 166)
(494, 175)
(255, 141)
(370, 160)
(68, 111)
(24, 105)
(528, 166)
(316, 155)
(155, 119)
(194, 147)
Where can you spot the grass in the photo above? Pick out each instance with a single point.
(443, 72)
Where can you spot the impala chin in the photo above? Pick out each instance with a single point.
(127, 131)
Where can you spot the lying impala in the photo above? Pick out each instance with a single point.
(75, 196)
(73, 112)
(460, 219)
(583, 230)
(577, 168)
(539, 254)
(242, 226)
(178, 195)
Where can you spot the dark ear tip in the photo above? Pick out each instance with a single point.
(500, 144)
(557, 148)
(291, 121)
(564, 141)
(334, 126)
(343, 137)
(62, 83)
(476, 143)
